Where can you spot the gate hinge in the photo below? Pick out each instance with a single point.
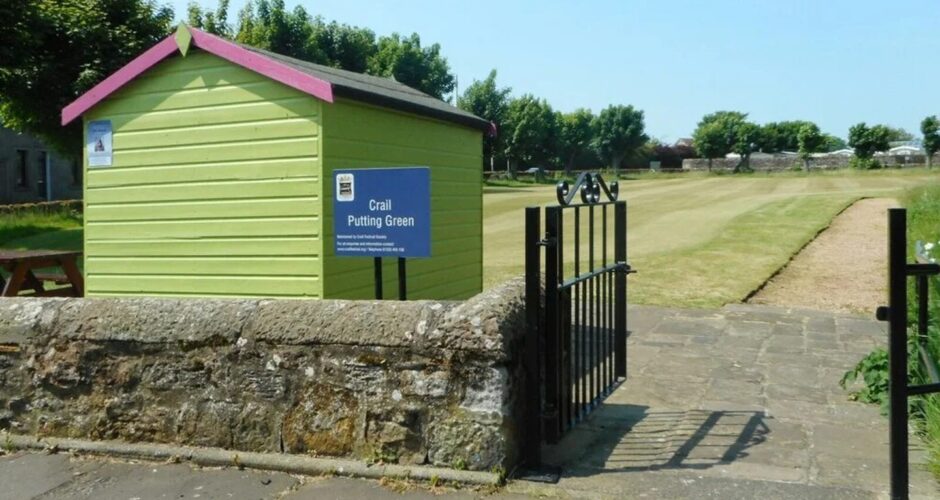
(623, 267)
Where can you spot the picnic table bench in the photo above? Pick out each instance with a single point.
(23, 266)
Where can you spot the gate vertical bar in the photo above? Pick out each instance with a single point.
(897, 350)
(532, 443)
(564, 330)
(620, 289)
(551, 414)
(578, 319)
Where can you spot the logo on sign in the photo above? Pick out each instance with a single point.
(345, 187)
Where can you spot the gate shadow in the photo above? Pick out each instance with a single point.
(622, 438)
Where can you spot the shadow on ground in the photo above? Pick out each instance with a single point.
(623, 438)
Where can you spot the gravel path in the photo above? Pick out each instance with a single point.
(843, 269)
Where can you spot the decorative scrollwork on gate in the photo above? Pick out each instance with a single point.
(589, 186)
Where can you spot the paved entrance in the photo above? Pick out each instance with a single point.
(738, 403)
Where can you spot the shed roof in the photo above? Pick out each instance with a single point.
(322, 82)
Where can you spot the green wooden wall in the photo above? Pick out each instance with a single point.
(357, 135)
(215, 187)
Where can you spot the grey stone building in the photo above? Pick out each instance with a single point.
(30, 171)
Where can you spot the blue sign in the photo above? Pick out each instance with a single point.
(382, 212)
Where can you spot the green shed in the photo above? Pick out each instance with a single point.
(207, 168)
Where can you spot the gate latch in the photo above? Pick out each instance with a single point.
(547, 242)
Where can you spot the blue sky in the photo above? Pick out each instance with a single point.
(835, 62)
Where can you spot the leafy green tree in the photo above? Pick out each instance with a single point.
(576, 130)
(618, 132)
(930, 128)
(744, 136)
(420, 67)
(833, 143)
(529, 131)
(868, 140)
(715, 135)
(711, 141)
(809, 140)
(343, 46)
(780, 136)
(211, 22)
(52, 51)
(488, 101)
(268, 25)
(898, 134)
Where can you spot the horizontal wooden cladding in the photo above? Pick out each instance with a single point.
(278, 109)
(369, 124)
(200, 97)
(448, 282)
(357, 149)
(210, 228)
(214, 247)
(197, 69)
(225, 209)
(225, 190)
(216, 134)
(280, 168)
(260, 149)
(216, 266)
(203, 285)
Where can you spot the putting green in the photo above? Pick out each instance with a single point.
(698, 240)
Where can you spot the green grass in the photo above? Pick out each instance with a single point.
(60, 230)
(700, 240)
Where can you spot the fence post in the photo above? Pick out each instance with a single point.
(620, 290)
(552, 315)
(897, 350)
(532, 426)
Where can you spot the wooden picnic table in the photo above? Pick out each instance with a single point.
(23, 266)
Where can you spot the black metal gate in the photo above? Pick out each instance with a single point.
(896, 314)
(576, 341)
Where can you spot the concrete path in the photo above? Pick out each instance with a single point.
(738, 403)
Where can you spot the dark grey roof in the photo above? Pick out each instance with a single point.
(381, 91)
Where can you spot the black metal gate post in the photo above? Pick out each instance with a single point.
(552, 420)
(532, 444)
(897, 350)
(620, 289)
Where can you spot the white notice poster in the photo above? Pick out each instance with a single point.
(99, 143)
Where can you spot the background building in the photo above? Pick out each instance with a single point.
(31, 172)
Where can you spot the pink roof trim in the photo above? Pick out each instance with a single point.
(229, 51)
(141, 63)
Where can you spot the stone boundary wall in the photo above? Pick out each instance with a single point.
(420, 382)
(780, 163)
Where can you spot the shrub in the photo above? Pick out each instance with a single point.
(864, 163)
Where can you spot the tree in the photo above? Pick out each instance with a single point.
(868, 140)
(405, 60)
(268, 25)
(530, 129)
(490, 102)
(898, 134)
(56, 50)
(576, 130)
(711, 141)
(618, 132)
(780, 136)
(810, 140)
(717, 135)
(930, 128)
(744, 136)
(343, 46)
(211, 22)
(832, 143)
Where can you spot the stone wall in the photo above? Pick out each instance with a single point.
(408, 382)
(779, 163)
